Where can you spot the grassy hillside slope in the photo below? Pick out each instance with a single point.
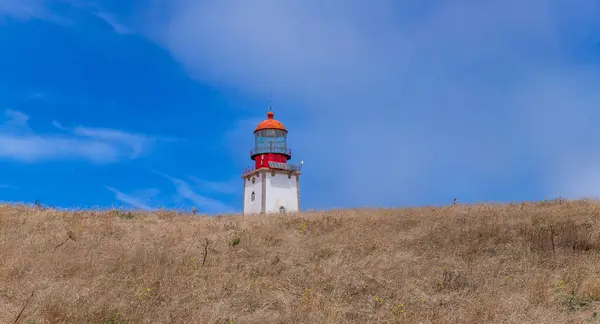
(522, 263)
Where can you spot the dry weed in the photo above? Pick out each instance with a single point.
(517, 263)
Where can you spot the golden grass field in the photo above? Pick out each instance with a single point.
(519, 263)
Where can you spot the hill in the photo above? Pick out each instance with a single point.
(520, 263)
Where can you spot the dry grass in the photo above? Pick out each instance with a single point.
(521, 263)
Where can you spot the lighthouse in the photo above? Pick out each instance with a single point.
(271, 185)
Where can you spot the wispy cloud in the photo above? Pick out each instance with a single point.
(203, 203)
(19, 142)
(137, 142)
(224, 187)
(111, 20)
(30, 9)
(133, 200)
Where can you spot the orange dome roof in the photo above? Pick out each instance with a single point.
(270, 123)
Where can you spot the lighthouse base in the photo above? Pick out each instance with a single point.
(268, 191)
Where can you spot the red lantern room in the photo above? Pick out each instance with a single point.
(270, 143)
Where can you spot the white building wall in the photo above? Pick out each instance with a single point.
(253, 206)
(281, 191)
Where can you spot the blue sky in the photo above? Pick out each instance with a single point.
(148, 104)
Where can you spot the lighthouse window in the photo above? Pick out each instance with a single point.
(270, 133)
(252, 196)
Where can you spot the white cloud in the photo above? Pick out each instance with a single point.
(137, 142)
(19, 142)
(134, 200)
(203, 203)
(428, 97)
(36, 148)
(111, 20)
(31, 9)
(15, 122)
(223, 187)
(22, 8)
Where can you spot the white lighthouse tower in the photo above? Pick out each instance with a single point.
(271, 185)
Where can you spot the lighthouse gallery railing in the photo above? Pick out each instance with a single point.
(272, 149)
